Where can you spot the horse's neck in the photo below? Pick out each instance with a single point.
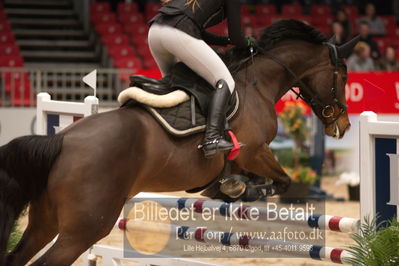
(273, 81)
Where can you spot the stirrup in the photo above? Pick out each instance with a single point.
(212, 147)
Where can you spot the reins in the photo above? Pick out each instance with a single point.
(327, 109)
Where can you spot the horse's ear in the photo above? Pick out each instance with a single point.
(345, 50)
(332, 40)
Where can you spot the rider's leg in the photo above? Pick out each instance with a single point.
(164, 59)
(214, 141)
(197, 55)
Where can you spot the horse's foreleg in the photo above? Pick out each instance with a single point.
(261, 161)
(42, 228)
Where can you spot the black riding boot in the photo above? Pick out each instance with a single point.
(214, 141)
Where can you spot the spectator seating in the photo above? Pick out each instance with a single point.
(9, 49)
(127, 8)
(16, 83)
(116, 31)
(292, 10)
(152, 9)
(352, 11)
(127, 27)
(320, 11)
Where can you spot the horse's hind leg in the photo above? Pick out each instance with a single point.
(42, 228)
(78, 235)
(83, 217)
(263, 163)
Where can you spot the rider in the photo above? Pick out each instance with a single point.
(178, 33)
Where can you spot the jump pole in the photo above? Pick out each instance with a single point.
(321, 221)
(200, 234)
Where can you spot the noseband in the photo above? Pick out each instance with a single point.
(328, 110)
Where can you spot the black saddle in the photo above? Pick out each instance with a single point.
(181, 77)
(186, 118)
(155, 86)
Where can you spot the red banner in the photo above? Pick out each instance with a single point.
(376, 91)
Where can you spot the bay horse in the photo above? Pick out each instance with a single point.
(76, 182)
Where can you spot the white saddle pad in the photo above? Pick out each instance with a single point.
(157, 101)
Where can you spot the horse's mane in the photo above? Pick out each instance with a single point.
(274, 34)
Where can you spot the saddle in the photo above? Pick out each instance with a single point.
(179, 102)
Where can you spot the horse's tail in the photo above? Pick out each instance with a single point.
(25, 164)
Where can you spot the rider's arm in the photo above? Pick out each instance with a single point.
(234, 22)
(213, 39)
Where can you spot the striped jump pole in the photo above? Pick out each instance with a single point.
(202, 235)
(323, 222)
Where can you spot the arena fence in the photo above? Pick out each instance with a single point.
(19, 86)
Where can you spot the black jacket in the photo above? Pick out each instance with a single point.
(207, 14)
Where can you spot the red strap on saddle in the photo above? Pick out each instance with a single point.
(236, 150)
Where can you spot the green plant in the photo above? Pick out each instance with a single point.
(377, 244)
(302, 174)
(14, 238)
(286, 157)
(293, 120)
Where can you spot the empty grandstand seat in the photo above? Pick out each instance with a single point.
(143, 50)
(152, 9)
(325, 29)
(108, 28)
(127, 8)
(321, 21)
(120, 51)
(140, 40)
(265, 10)
(99, 7)
(320, 10)
(103, 17)
(303, 18)
(13, 79)
(251, 20)
(394, 33)
(263, 21)
(292, 10)
(390, 24)
(3, 15)
(217, 29)
(388, 20)
(4, 25)
(383, 42)
(7, 37)
(146, 54)
(246, 9)
(132, 62)
(395, 43)
(150, 64)
(115, 39)
(137, 29)
(11, 61)
(352, 11)
(276, 18)
(131, 18)
(9, 49)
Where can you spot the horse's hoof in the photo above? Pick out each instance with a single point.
(282, 187)
(233, 188)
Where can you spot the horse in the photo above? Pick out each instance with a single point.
(76, 182)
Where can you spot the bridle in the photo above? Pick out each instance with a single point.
(327, 110)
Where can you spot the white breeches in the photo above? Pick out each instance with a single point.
(169, 45)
